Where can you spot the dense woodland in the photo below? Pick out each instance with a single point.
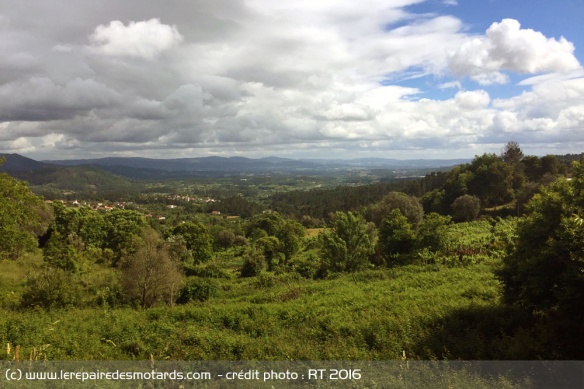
(484, 261)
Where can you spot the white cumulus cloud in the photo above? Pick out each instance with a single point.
(506, 46)
(144, 39)
(472, 99)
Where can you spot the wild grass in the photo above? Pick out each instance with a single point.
(431, 310)
(372, 315)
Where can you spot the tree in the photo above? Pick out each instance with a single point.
(549, 165)
(512, 153)
(434, 201)
(24, 217)
(396, 235)
(513, 156)
(532, 168)
(466, 208)
(409, 206)
(347, 245)
(524, 195)
(254, 262)
(92, 228)
(290, 235)
(225, 238)
(198, 240)
(123, 227)
(431, 232)
(270, 222)
(492, 180)
(545, 269)
(76, 233)
(457, 184)
(64, 252)
(177, 248)
(150, 275)
(536, 168)
(271, 248)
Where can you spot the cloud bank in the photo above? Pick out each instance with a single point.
(260, 77)
(506, 46)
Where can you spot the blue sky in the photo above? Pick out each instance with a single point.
(554, 19)
(332, 78)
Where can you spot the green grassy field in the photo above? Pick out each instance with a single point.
(375, 314)
(442, 305)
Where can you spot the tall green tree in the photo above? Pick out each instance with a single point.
(198, 240)
(466, 208)
(123, 227)
(435, 201)
(431, 233)
(396, 235)
(457, 184)
(24, 217)
(409, 206)
(347, 244)
(92, 228)
(290, 236)
(492, 180)
(64, 252)
(513, 156)
(271, 248)
(254, 262)
(545, 269)
(512, 153)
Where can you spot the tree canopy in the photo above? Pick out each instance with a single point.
(545, 269)
(24, 217)
(347, 245)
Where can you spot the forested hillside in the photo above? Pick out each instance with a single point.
(502, 185)
(485, 261)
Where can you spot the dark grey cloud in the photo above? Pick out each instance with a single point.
(259, 77)
(40, 99)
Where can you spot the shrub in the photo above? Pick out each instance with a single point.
(396, 235)
(254, 262)
(50, 288)
(347, 245)
(466, 208)
(198, 289)
(307, 267)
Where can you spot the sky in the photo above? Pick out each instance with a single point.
(299, 79)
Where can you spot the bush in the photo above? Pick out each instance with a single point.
(466, 208)
(396, 235)
(198, 289)
(347, 245)
(208, 270)
(254, 263)
(50, 288)
(307, 267)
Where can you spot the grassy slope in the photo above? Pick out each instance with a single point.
(368, 315)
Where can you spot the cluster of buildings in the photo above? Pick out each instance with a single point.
(100, 206)
(177, 197)
(95, 205)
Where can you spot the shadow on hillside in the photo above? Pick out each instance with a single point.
(501, 333)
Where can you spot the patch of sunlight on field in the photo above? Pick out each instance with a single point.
(312, 232)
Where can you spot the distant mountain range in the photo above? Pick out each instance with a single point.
(242, 164)
(156, 169)
(203, 164)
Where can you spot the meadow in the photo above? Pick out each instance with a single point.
(425, 310)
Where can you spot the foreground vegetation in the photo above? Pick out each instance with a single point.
(433, 309)
(444, 277)
(372, 314)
